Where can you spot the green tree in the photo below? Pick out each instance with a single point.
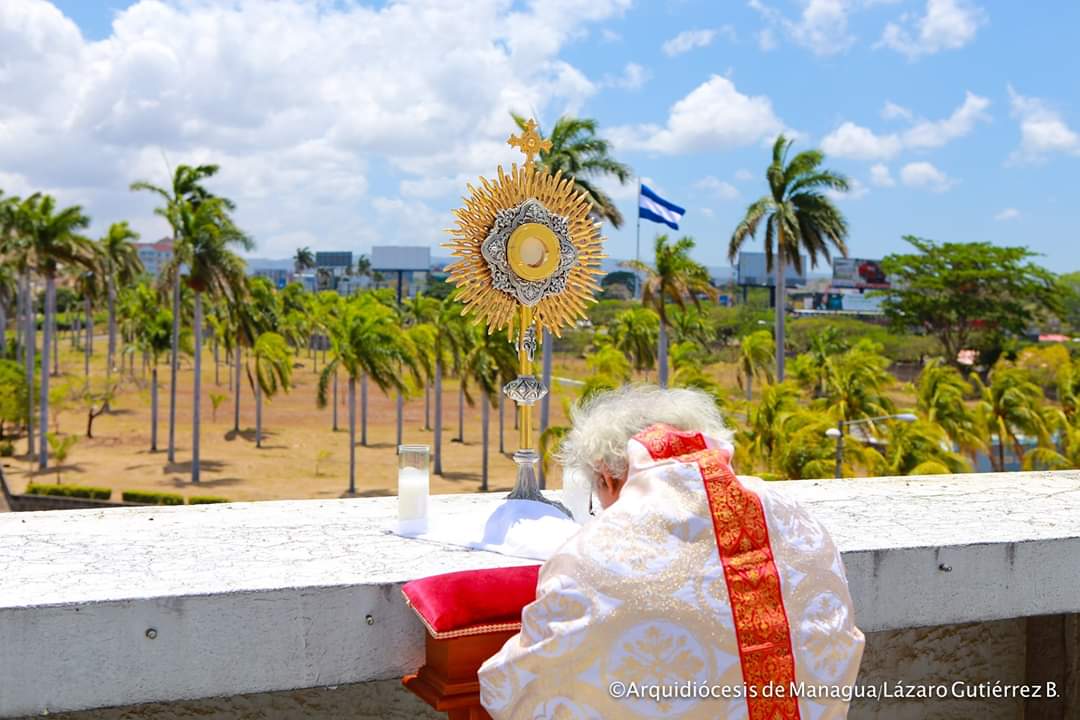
(635, 335)
(366, 339)
(450, 348)
(1010, 408)
(957, 291)
(13, 395)
(855, 388)
(941, 393)
(491, 362)
(61, 447)
(186, 187)
(120, 265)
(673, 277)
(580, 154)
(54, 241)
(271, 372)
(303, 260)
(756, 352)
(799, 217)
(207, 235)
(919, 448)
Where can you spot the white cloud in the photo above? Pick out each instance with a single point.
(766, 40)
(296, 100)
(880, 175)
(632, 78)
(892, 111)
(719, 188)
(1008, 214)
(1042, 130)
(854, 141)
(946, 25)
(609, 35)
(822, 27)
(743, 175)
(713, 116)
(924, 175)
(691, 39)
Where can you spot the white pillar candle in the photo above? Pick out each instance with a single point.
(413, 491)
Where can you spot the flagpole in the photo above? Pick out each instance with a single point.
(637, 252)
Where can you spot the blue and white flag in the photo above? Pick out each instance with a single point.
(653, 207)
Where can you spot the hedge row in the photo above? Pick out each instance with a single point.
(206, 500)
(74, 491)
(147, 497)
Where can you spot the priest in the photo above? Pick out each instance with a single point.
(692, 594)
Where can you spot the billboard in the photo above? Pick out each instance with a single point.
(751, 270)
(858, 273)
(401, 257)
(333, 259)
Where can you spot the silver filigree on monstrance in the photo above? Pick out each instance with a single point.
(494, 250)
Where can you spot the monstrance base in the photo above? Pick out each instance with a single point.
(527, 486)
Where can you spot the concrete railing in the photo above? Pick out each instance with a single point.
(102, 608)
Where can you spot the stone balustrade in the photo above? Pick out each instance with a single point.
(293, 609)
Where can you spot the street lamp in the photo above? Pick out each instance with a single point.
(837, 433)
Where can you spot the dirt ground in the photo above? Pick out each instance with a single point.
(295, 432)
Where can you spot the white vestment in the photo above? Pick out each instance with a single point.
(641, 599)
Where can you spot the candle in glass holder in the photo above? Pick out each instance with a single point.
(413, 488)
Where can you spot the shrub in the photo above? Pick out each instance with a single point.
(146, 497)
(206, 500)
(76, 491)
(7, 449)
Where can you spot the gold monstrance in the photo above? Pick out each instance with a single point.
(530, 255)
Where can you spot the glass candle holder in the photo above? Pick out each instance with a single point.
(414, 487)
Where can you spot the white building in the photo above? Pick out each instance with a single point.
(155, 255)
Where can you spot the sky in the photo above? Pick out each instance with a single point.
(342, 125)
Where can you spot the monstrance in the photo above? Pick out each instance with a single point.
(529, 258)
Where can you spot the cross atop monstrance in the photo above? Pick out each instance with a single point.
(529, 142)
(529, 258)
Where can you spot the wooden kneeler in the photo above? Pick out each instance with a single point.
(469, 616)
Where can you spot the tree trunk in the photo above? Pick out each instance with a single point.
(485, 413)
(781, 294)
(502, 423)
(352, 436)
(461, 410)
(197, 390)
(545, 402)
(55, 340)
(400, 413)
(363, 409)
(86, 345)
(31, 332)
(438, 418)
(46, 340)
(3, 330)
(661, 355)
(258, 413)
(236, 390)
(335, 400)
(110, 355)
(427, 407)
(20, 326)
(749, 386)
(174, 360)
(153, 407)
(217, 361)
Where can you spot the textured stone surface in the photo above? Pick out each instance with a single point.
(260, 597)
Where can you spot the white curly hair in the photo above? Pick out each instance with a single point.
(602, 426)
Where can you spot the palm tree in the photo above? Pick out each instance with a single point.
(756, 352)
(812, 368)
(856, 384)
(578, 153)
(16, 251)
(186, 186)
(273, 372)
(635, 335)
(1010, 407)
(491, 362)
(940, 397)
(303, 260)
(451, 343)
(673, 277)
(799, 217)
(919, 448)
(120, 265)
(207, 233)
(419, 310)
(53, 242)
(152, 324)
(366, 339)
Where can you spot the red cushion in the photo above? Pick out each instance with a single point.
(473, 602)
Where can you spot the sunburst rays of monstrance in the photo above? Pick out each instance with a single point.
(529, 257)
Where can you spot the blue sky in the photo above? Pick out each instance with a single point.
(342, 125)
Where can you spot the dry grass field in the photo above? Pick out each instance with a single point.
(295, 433)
